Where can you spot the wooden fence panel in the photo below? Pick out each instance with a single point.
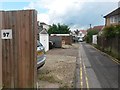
(0, 52)
(111, 45)
(19, 53)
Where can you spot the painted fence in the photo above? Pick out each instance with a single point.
(19, 53)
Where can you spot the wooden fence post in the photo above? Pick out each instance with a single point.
(0, 52)
(19, 69)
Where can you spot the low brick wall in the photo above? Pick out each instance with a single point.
(58, 40)
(67, 39)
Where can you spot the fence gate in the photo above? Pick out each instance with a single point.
(19, 35)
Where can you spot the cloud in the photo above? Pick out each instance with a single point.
(30, 6)
(76, 13)
(43, 18)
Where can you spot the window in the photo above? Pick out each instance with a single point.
(119, 19)
(111, 19)
(114, 19)
(80, 34)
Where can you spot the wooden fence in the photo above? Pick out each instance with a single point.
(0, 64)
(19, 53)
(110, 45)
(0, 53)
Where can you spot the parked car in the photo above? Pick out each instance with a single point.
(51, 45)
(80, 39)
(41, 57)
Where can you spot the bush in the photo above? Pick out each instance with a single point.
(117, 30)
(111, 31)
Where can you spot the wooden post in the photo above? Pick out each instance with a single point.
(19, 67)
(0, 51)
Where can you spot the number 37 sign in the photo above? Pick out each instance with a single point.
(6, 34)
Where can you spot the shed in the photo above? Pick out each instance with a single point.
(44, 39)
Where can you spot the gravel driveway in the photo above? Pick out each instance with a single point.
(59, 69)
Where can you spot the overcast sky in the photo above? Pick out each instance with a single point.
(78, 14)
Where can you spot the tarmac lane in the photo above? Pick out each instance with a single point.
(96, 69)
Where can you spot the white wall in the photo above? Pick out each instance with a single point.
(81, 34)
(94, 39)
(60, 34)
(44, 40)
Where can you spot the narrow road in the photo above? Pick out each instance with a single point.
(96, 69)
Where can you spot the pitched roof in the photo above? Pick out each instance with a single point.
(83, 31)
(98, 28)
(115, 12)
(44, 31)
(42, 23)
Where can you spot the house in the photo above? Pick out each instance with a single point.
(113, 18)
(81, 34)
(98, 28)
(74, 36)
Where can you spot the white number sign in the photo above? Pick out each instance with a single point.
(6, 34)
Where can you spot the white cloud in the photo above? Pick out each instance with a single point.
(52, 0)
(78, 12)
(43, 18)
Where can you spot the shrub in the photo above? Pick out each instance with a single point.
(111, 31)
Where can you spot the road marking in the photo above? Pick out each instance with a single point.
(83, 68)
(86, 78)
(116, 61)
(81, 75)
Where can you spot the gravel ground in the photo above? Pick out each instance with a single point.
(59, 69)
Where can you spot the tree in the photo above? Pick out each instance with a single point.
(59, 29)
